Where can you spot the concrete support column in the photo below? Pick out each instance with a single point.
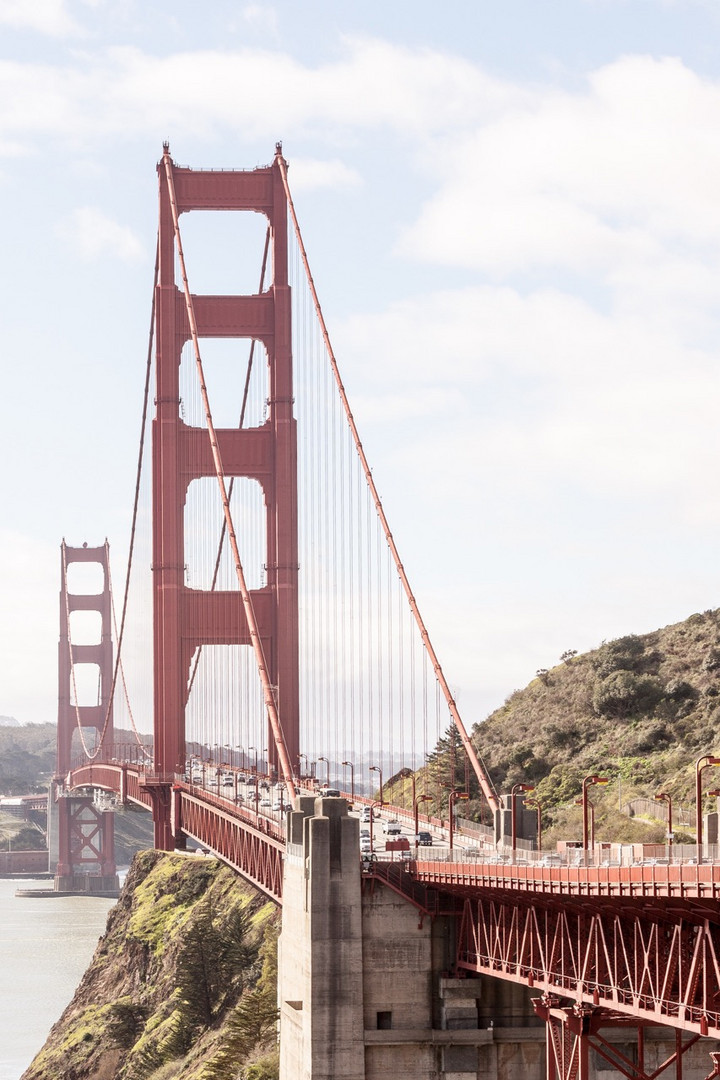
(320, 978)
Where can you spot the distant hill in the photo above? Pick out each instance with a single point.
(27, 757)
(639, 710)
(9, 721)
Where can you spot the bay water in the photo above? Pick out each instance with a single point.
(46, 944)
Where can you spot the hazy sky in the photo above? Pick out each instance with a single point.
(512, 211)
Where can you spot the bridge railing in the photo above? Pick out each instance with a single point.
(675, 855)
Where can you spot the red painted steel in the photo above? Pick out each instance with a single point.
(185, 619)
(655, 961)
(573, 1031)
(85, 834)
(253, 846)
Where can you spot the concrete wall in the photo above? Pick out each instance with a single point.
(23, 862)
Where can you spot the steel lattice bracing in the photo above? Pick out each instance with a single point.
(659, 963)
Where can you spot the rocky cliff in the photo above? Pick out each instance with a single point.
(182, 984)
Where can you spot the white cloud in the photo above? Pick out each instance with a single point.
(584, 181)
(93, 235)
(307, 174)
(46, 16)
(545, 390)
(261, 16)
(372, 84)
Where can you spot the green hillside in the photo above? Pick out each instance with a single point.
(639, 710)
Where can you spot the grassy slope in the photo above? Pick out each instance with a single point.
(640, 710)
(182, 985)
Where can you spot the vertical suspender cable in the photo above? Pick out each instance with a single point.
(484, 780)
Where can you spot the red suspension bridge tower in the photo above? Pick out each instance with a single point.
(85, 833)
(186, 619)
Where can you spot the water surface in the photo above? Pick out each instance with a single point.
(45, 946)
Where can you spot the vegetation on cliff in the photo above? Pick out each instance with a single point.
(182, 985)
(639, 710)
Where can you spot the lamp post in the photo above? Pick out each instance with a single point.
(591, 808)
(377, 769)
(416, 804)
(327, 769)
(702, 763)
(535, 805)
(257, 796)
(452, 798)
(589, 781)
(663, 796)
(517, 789)
(351, 767)
(372, 825)
(300, 757)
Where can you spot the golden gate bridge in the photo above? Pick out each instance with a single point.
(276, 629)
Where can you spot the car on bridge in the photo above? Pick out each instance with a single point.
(392, 828)
(425, 839)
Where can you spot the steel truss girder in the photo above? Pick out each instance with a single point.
(662, 971)
(252, 846)
(256, 853)
(573, 1031)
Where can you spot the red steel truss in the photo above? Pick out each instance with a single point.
(184, 618)
(658, 962)
(572, 1032)
(253, 846)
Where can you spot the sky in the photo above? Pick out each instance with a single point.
(512, 214)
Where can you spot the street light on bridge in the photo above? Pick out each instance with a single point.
(257, 786)
(452, 798)
(416, 804)
(377, 769)
(327, 770)
(589, 781)
(517, 789)
(702, 763)
(663, 796)
(351, 767)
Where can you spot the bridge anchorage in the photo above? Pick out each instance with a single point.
(288, 653)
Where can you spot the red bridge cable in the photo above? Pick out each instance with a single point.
(268, 693)
(483, 778)
(231, 485)
(136, 504)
